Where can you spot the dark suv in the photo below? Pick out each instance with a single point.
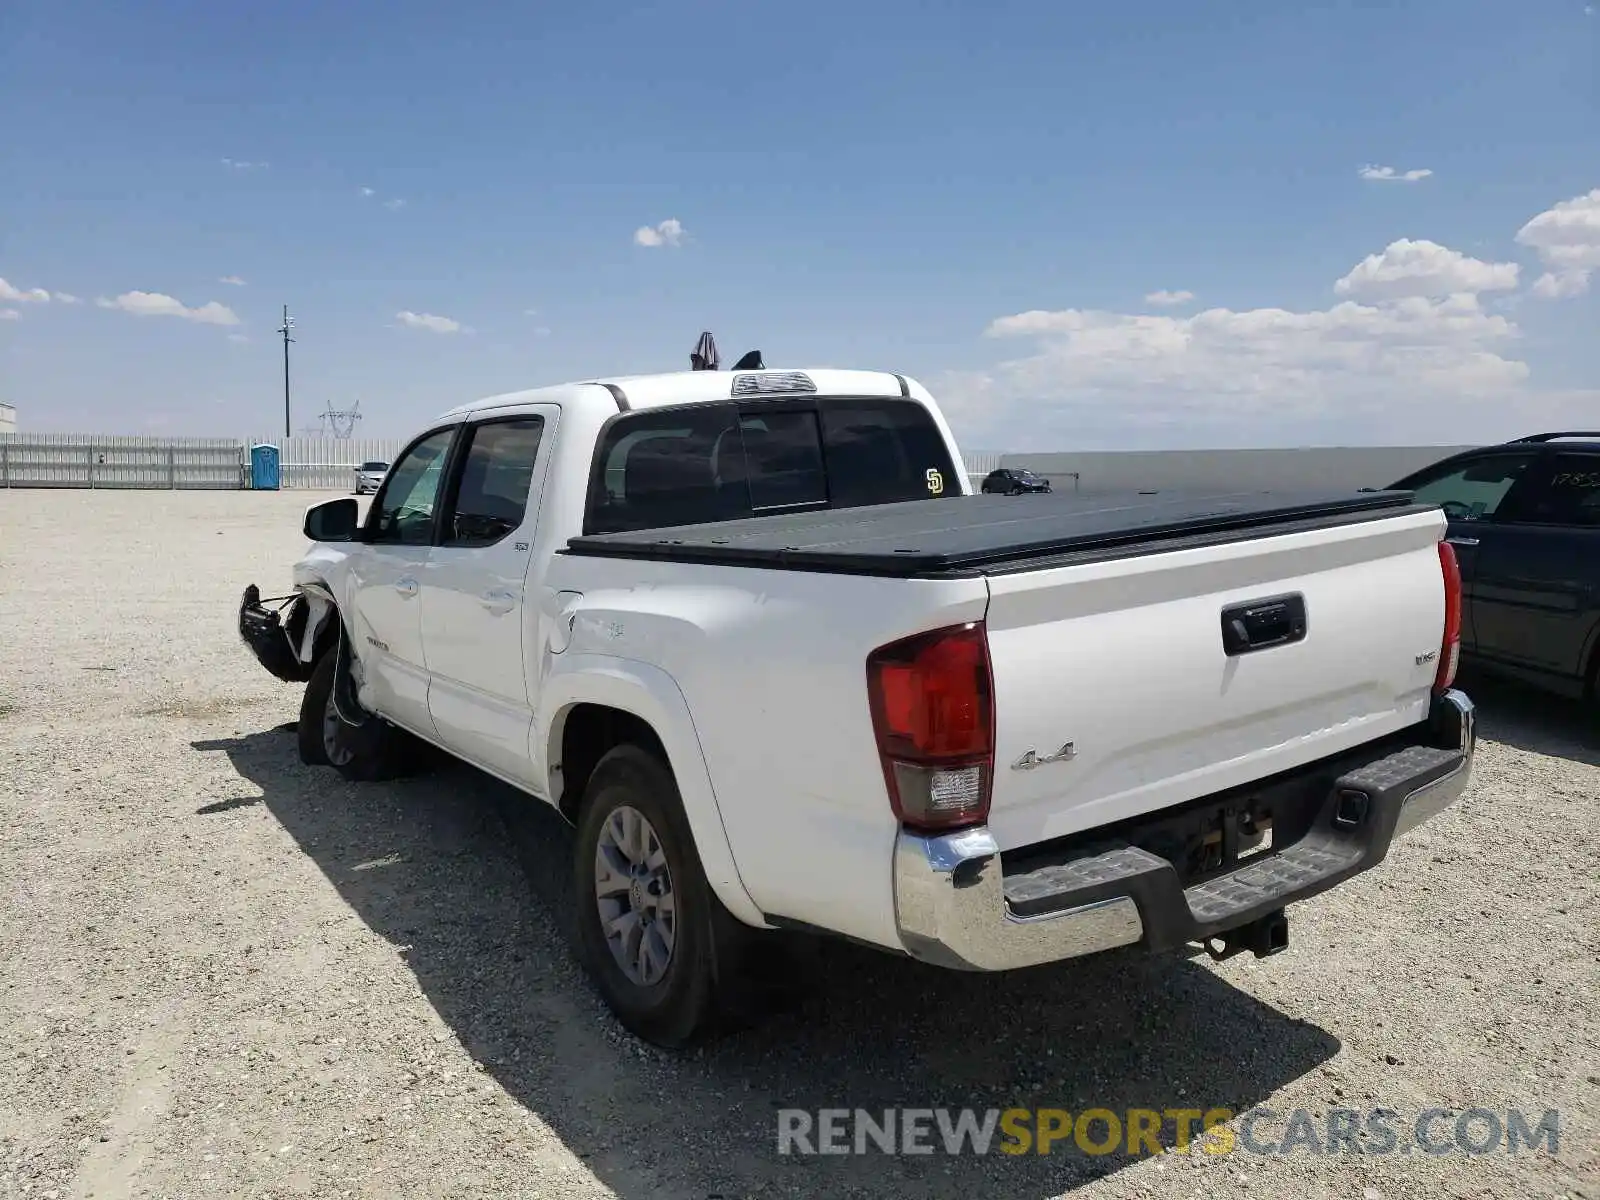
(1525, 523)
(1013, 481)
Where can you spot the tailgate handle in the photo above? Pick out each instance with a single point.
(1261, 624)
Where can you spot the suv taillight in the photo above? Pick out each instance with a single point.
(933, 714)
(1450, 650)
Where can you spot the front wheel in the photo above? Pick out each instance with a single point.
(370, 750)
(646, 919)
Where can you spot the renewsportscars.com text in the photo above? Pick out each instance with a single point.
(1149, 1131)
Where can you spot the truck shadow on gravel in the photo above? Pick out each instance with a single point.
(1521, 716)
(468, 880)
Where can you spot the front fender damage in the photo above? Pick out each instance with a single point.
(285, 639)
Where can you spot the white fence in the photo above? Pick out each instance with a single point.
(65, 460)
(79, 461)
(327, 464)
(70, 460)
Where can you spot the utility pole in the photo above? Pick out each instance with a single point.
(288, 324)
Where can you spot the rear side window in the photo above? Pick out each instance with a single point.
(1568, 495)
(492, 498)
(717, 463)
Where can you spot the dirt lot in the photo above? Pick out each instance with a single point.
(228, 974)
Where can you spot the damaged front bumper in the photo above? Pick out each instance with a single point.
(274, 633)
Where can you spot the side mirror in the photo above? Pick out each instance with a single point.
(333, 521)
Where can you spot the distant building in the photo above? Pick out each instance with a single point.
(8, 419)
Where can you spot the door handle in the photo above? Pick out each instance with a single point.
(1462, 541)
(407, 587)
(500, 602)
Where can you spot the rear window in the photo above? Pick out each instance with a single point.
(718, 462)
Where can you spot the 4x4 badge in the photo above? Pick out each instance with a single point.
(1032, 759)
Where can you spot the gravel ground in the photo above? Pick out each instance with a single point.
(228, 974)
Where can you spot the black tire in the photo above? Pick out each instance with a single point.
(370, 751)
(308, 729)
(681, 1006)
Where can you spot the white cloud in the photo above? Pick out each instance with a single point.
(393, 204)
(66, 298)
(154, 304)
(23, 295)
(10, 314)
(1422, 348)
(1567, 239)
(1168, 299)
(668, 233)
(1561, 285)
(231, 281)
(1389, 174)
(541, 331)
(1423, 268)
(239, 164)
(429, 321)
(1247, 375)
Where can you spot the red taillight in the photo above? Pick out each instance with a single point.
(934, 718)
(1450, 650)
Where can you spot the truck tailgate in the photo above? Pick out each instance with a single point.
(1124, 659)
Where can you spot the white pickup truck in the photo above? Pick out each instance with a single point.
(753, 634)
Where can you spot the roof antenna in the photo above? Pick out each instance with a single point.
(750, 362)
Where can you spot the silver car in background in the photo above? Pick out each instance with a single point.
(369, 475)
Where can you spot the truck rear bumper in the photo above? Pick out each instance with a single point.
(957, 904)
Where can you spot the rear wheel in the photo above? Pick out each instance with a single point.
(647, 920)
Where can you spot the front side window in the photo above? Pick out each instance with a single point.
(496, 474)
(1474, 491)
(403, 512)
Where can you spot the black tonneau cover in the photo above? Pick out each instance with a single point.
(982, 534)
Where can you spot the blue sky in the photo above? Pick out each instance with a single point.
(989, 197)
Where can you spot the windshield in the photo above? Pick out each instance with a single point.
(374, 466)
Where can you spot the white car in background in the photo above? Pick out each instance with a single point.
(369, 476)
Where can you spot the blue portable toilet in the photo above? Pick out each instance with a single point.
(264, 467)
